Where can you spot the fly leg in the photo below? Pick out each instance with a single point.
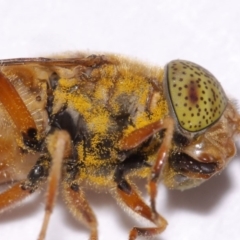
(162, 157)
(15, 106)
(59, 147)
(79, 207)
(22, 189)
(127, 194)
(12, 196)
(26, 126)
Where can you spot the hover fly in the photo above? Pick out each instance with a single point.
(101, 120)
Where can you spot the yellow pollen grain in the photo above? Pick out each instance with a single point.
(160, 110)
(80, 102)
(67, 83)
(102, 93)
(98, 120)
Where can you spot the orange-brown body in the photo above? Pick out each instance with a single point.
(98, 121)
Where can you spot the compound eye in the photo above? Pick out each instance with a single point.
(195, 95)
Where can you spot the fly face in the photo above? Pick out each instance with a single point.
(205, 122)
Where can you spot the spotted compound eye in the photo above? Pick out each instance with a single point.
(195, 95)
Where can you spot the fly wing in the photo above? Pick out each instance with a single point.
(60, 62)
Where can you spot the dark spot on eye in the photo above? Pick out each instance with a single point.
(214, 94)
(198, 75)
(192, 93)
